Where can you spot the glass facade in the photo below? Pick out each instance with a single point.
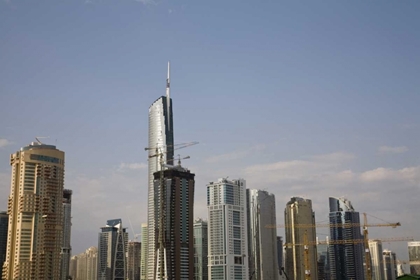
(262, 241)
(112, 246)
(200, 250)
(346, 260)
(161, 137)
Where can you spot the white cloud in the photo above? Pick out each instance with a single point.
(4, 142)
(235, 155)
(409, 174)
(107, 195)
(392, 150)
(132, 166)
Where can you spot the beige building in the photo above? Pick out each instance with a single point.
(300, 235)
(85, 265)
(375, 248)
(35, 213)
(143, 257)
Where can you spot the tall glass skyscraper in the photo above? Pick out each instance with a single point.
(112, 249)
(375, 248)
(200, 250)
(227, 228)
(390, 265)
(346, 259)
(161, 138)
(262, 240)
(35, 213)
(300, 230)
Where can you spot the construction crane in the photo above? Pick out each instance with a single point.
(159, 152)
(178, 158)
(349, 241)
(365, 239)
(306, 256)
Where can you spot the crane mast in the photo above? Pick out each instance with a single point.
(161, 266)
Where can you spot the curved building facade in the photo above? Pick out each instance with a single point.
(346, 260)
(161, 139)
(35, 213)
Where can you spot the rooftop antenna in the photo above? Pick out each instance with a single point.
(168, 96)
(41, 137)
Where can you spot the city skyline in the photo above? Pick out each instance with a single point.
(292, 119)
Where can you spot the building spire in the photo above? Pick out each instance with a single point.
(168, 97)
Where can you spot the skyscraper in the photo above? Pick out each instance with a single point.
(200, 250)
(301, 252)
(73, 268)
(414, 257)
(161, 137)
(66, 247)
(390, 265)
(133, 260)
(177, 222)
(112, 248)
(4, 222)
(144, 247)
(227, 230)
(262, 240)
(346, 260)
(375, 248)
(35, 213)
(85, 265)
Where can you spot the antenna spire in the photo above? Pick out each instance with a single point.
(168, 96)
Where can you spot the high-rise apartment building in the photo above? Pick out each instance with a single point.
(144, 248)
(66, 247)
(161, 137)
(133, 260)
(177, 222)
(35, 213)
(262, 240)
(112, 249)
(377, 266)
(85, 265)
(91, 263)
(414, 257)
(346, 259)
(4, 223)
(227, 230)
(200, 250)
(390, 265)
(301, 252)
(73, 268)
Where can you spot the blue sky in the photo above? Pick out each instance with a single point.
(312, 98)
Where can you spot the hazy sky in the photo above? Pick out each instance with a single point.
(300, 98)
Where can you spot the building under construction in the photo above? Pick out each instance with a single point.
(175, 256)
